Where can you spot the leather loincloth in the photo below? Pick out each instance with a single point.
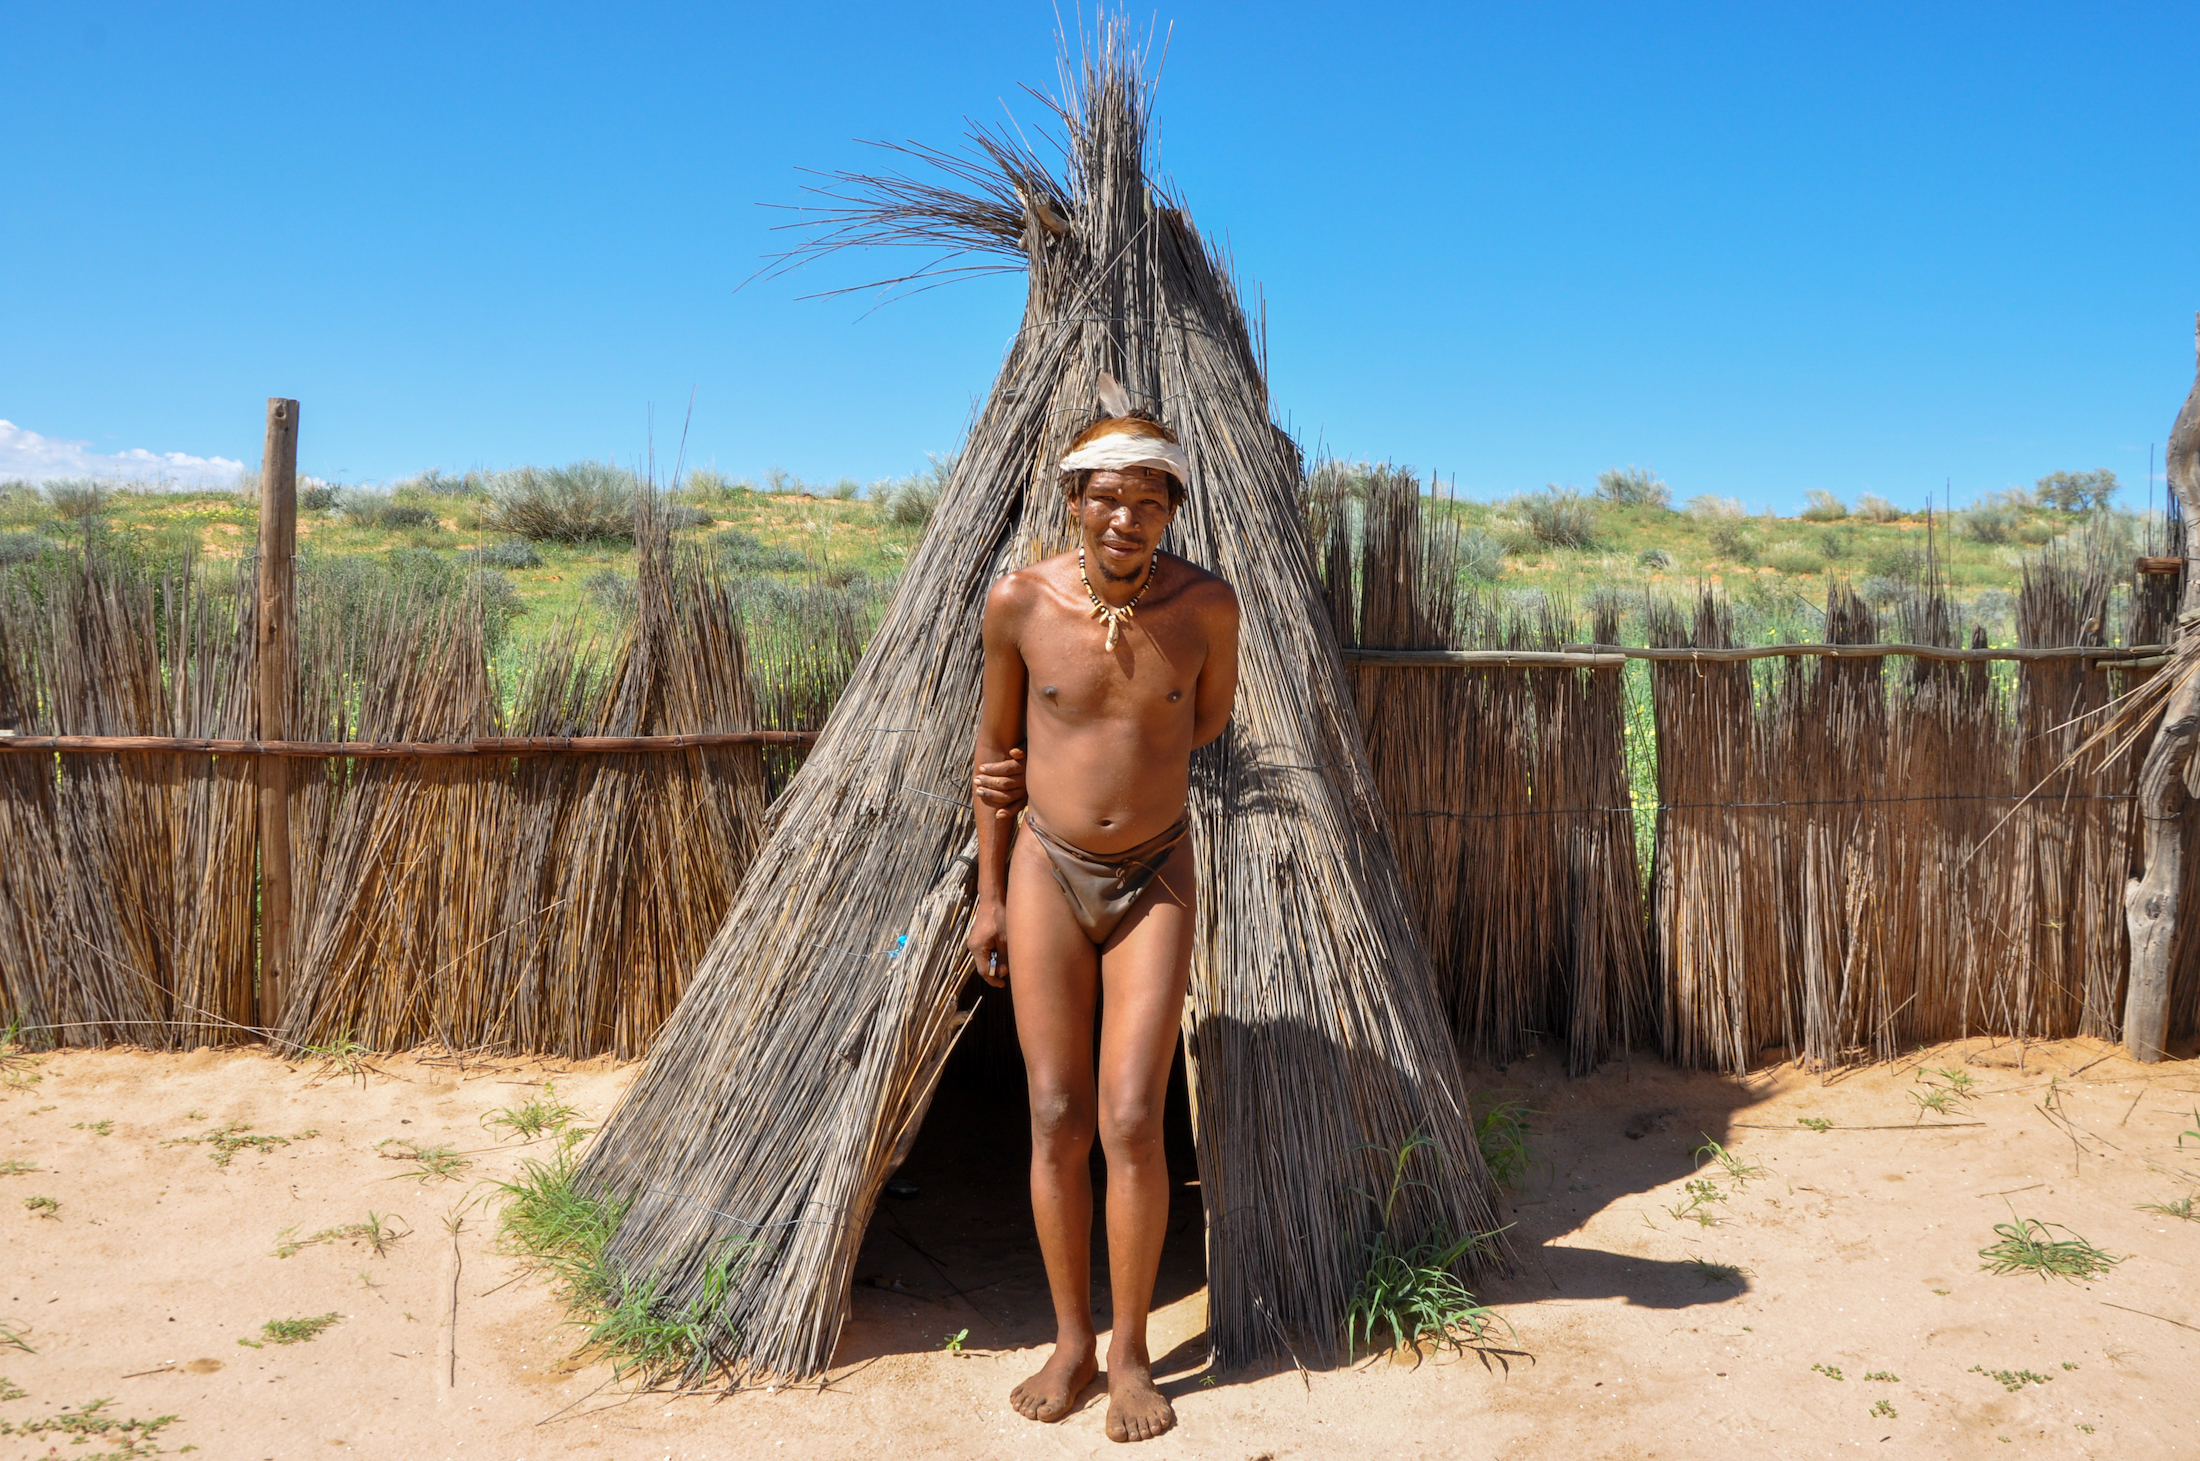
(1102, 888)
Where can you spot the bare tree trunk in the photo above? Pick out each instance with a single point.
(2150, 900)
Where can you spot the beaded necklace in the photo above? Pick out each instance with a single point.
(1101, 609)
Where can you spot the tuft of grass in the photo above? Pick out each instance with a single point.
(45, 1207)
(743, 552)
(377, 1232)
(434, 1163)
(2195, 1132)
(1633, 487)
(343, 1056)
(1657, 560)
(1712, 1273)
(1699, 1193)
(2010, 1380)
(516, 553)
(2181, 1208)
(11, 1335)
(89, 1421)
(233, 1137)
(1409, 1288)
(379, 510)
(1883, 1410)
(1742, 1173)
(9, 1390)
(1558, 518)
(2024, 1245)
(1885, 1375)
(297, 1331)
(536, 1116)
(1831, 1372)
(96, 1128)
(1957, 1079)
(1824, 507)
(16, 1167)
(1935, 1101)
(1878, 509)
(1815, 1123)
(1501, 1134)
(587, 502)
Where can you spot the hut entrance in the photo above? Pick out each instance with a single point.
(951, 1245)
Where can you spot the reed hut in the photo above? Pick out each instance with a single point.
(750, 1152)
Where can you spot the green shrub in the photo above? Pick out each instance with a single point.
(20, 548)
(586, 502)
(1713, 508)
(2077, 491)
(1657, 560)
(1824, 507)
(1733, 540)
(518, 553)
(1558, 517)
(315, 495)
(910, 501)
(1480, 555)
(710, 482)
(1901, 563)
(436, 484)
(381, 510)
(741, 552)
(1796, 560)
(1878, 509)
(1633, 487)
(1990, 522)
(77, 498)
(611, 591)
(675, 516)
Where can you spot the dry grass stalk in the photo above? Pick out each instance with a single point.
(770, 1106)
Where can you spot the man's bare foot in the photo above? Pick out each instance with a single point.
(1047, 1396)
(1136, 1410)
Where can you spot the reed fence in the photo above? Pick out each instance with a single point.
(1857, 846)
(531, 859)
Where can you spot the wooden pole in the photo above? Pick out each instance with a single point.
(278, 666)
(2150, 899)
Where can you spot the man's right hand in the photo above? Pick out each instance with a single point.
(988, 941)
(1000, 785)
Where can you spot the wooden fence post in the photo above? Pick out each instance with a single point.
(2150, 899)
(277, 652)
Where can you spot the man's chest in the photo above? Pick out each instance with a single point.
(1155, 663)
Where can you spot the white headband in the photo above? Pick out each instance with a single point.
(1120, 449)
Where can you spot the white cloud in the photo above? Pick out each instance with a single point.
(27, 456)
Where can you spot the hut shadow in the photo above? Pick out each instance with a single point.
(1600, 1146)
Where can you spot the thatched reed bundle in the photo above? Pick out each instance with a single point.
(126, 886)
(760, 1133)
(1506, 788)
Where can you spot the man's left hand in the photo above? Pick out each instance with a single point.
(1000, 785)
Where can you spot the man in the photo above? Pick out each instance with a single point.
(1112, 664)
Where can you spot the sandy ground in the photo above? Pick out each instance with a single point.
(1857, 1250)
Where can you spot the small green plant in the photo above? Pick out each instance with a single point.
(298, 1331)
(2181, 1208)
(233, 1137)
(11, 1336)
(1824, 507)
(9, 1390)
(1886, 1375)
(1959, 1080)
(1935, 1101)
(16, 1167)
(2068, 1366)
(194, 1115)
(1701, 1193)
(1815, 1123)
(1742, 1173)
(2195, 1132)
(91, 1420)
(533, 1117)
(46, 1207)
(96, 1128)
(1712, 1273)
(434, 1163)
(1882, 1409)
(2011, 1380)
(1208, 1381)
(1558, 517)
(2084, 1427)
(1831, 1372)
(1409, 1289)
(2024, 1245)
(377, 1232)
(1501, 1133)
(953, 1343)
(1943, 1292)
(343, 1056)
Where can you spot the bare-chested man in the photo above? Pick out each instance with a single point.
(1113, 663)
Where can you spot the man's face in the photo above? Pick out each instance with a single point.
(1122, 515)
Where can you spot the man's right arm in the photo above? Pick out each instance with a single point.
(1000, 728)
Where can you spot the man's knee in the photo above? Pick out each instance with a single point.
(1130, 1124)
(1060, 1120)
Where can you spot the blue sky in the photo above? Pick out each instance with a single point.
(1762, 249)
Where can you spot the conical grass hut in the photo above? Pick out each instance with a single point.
(749, 1155)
